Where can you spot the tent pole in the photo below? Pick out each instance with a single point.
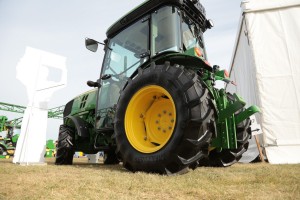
(261, 156)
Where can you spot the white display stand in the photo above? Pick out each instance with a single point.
(33, 71)
(93, 158)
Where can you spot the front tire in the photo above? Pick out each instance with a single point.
(65, 146)
(163, 120)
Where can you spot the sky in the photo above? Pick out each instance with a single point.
(60, 27)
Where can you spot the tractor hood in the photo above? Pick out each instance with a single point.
(82, 103)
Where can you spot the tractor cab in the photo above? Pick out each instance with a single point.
(152, 32)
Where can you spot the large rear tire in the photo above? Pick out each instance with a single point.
(227, 157)
(163, 120)
(65, 146)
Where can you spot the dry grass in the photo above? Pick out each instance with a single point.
(87, 181)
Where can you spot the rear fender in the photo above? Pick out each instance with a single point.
(81, 126)
(184, 59)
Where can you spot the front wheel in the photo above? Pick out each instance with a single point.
(163, 120)
(65, 146)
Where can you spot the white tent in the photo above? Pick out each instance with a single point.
(266, 68)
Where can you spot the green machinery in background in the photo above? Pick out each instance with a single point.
(8, 143)
(56, 113)
(50, 149)
(3, 120)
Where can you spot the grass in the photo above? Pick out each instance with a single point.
(97, 181)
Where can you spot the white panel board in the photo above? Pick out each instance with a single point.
(33, 70)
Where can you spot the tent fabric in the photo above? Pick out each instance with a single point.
(261, 5)
(266, 68)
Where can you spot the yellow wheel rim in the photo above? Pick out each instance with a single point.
(150, 119)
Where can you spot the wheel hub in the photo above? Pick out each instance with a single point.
(150, 119)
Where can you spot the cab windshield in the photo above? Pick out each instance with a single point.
(124, 54)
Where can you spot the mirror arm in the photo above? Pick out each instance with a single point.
(104, 44)
(94, 84)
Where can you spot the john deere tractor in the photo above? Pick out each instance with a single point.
(8, 143)
(154, 107)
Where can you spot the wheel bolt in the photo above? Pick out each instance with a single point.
(164, 131)
(158, 128)
(172, 120)
(170, 127)
(159, 115)
(157, 121)
(170, 114)
(165, 112)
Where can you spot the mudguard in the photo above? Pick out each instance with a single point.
(81, 126)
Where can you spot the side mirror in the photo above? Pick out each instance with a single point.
(93, 84)
(91, 44)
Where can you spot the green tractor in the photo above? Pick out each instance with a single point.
(154, 107)
(8, 143)
(50, 149)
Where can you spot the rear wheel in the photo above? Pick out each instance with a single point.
(65, 146)
(163, 120)
(227, 157)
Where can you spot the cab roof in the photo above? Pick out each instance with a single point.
(195, 10)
